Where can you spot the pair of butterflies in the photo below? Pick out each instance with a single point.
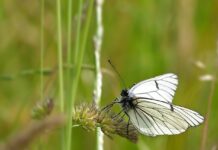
(148, 105)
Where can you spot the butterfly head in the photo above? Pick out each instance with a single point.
(124, 93)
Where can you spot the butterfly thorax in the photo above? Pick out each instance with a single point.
(126, 100)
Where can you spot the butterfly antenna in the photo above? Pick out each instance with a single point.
(109, 61)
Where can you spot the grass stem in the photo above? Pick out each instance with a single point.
(42, 48)
(60, 56)
(76, 74)
(98, 83)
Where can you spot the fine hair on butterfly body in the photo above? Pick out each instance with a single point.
(148, 105)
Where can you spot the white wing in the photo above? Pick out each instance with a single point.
(160, 88)
(157, 118)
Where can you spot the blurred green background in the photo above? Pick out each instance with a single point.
(142, 38)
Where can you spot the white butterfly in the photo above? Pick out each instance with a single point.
(149, 107)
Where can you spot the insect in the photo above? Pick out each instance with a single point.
(148, 106)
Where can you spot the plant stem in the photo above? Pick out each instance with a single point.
(69, 26)
(60, 67)
(41, 58)
(209, 105)
(69, 53)
(205, 129)
(60, 57)
(76, 75)
(98, 83)
(42, 48)
(78, 31)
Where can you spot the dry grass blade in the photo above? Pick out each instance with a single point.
(22, 139)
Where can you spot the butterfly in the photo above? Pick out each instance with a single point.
(148, 105)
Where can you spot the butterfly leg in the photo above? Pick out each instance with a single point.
(127, 127)
(118, 119)
(127, 130)
(118, 114)
(107, 107)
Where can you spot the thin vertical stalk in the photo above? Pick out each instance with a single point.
(69, 51)
(42, 3)
(78, 65)
(209, 104)
(69, 30)
(70, 73)
(42, 48)
(78, 31)
(69, 70)
(60, 65)
(60, 57)
(98, 82)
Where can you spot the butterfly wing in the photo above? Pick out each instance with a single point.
(156, 118)
(162, 88)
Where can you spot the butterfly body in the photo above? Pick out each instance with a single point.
(148, 104)
(126, 100)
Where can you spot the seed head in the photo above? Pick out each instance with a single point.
(89, 117)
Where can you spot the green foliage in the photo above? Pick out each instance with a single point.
(142, 38)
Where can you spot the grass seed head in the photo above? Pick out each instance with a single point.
(89, 117)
